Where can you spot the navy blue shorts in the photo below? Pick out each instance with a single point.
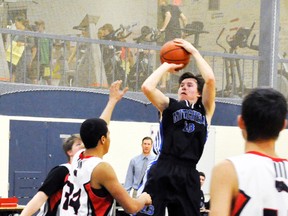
(175, 185)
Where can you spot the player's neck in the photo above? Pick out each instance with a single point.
(93, 152)
(266, 147)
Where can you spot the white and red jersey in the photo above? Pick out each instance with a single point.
(52, 187)
(263, 185)
(78, 197)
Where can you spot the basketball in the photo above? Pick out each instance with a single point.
(171, 53)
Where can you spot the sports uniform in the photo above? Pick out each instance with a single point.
(78, 197)
(263, 185)
(173, 181)
(52, 187)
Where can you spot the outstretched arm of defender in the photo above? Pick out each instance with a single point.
(34, 204)
(115, 95)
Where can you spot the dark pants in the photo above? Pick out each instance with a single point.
(175, 186)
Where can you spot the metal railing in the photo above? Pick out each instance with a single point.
(93, 63)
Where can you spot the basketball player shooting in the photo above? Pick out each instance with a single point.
(184, 129)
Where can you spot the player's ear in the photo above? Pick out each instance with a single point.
(241, 122)
(103, 138)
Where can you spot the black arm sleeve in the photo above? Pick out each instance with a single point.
(54, 181)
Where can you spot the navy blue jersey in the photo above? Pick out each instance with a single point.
(184, 130)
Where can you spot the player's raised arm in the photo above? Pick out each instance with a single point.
(115, 95)
(149, 87)
(209, 88)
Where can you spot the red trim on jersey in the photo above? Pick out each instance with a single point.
(101, 205)
(240, 202)
(54, 200)
(263, 155)
(81, 156)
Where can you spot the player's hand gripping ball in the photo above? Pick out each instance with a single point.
(171, 53)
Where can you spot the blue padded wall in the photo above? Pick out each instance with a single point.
(72, 104)
(82, 105)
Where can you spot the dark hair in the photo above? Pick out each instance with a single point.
(145, 30)
(92, 130)
(264, 111)
(68, 143)
(108, 27)
(20, 18)
(23, 20)
(147, 138)
(202, 174)
(198, 78)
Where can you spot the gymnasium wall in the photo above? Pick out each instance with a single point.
(132, 119)
(223, 142)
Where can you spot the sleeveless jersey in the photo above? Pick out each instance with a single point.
(52, 187)
(184, 130)
(78, 197)
(263, 185)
